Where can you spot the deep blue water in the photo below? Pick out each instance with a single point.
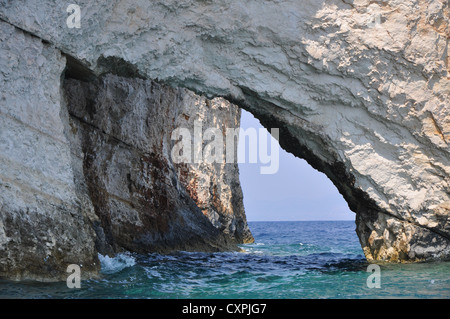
(287, 260)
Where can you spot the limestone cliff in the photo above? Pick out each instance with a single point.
(86, 168)
(358, 88)
(121, 130)
(215, 187)
(43, 222)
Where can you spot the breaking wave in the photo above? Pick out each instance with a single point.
(117, 263)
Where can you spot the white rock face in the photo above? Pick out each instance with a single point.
(85, 167)
(359, 88)
(43, 217)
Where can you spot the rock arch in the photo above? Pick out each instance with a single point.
(359, 88)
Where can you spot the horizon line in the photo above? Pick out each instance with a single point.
(309, 220)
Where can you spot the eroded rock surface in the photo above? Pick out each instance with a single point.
(85, 166)
(359, 88)
(122, 130)
(215, 187)
(44, 223)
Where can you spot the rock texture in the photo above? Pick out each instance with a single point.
(359, 88)
(215, 187)
(43, 222)
(85, 166)
(121, 130)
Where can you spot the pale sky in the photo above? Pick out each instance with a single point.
(296, 192)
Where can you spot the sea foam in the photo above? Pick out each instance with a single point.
(117, 263)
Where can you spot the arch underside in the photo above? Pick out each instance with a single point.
(384, 235)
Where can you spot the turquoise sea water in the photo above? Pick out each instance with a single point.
(287, 260)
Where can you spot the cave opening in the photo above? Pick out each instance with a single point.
(277, 186)
(295, 192)
(295, 211)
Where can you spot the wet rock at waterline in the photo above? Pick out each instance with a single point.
(360, 89)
